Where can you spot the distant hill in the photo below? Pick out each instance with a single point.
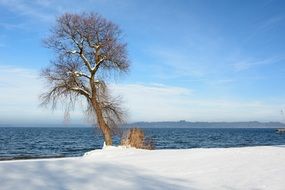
(187, 124)
(169, 124)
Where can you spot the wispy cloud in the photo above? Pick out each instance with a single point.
(186, 67)
(180, 63)
(21, 87)
(46, 10)
(251, 63)
(31, 8)
(270, 23)
(264, 26)
(19, 97)
(11, 26)
(152, 103)
(7, 71)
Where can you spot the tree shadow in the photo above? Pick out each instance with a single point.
(80, 174)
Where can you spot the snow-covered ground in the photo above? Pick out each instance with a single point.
(119, 168)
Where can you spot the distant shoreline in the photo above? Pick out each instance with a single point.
(169, 124)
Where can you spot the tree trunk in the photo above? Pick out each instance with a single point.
(106, 131)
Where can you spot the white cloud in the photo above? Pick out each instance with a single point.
(19, 98)
(164, 103)
(20, 89)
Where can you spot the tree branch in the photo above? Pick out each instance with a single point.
(81, 91)
(79, 74)
(86, 62)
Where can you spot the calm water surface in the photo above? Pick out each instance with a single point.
(31, 142)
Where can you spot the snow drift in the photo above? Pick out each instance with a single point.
(127, 168)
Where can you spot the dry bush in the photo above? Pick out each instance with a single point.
(135, 137)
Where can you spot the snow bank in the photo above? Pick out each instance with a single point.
(124, 168)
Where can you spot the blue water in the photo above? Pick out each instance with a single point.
(25, 142)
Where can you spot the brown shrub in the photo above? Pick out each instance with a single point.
(135, 138)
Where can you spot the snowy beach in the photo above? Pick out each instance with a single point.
(120, 168)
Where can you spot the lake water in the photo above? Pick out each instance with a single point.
(36, 142)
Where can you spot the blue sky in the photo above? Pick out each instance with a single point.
(191, 60)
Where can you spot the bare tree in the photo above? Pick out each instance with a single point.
(88, 49)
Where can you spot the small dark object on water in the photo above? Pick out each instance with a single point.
(280, 130)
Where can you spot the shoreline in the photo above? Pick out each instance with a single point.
(32, 158)
(3, 159)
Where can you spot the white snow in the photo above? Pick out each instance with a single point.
(126, 168)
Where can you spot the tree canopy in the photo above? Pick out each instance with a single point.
(88, 48)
